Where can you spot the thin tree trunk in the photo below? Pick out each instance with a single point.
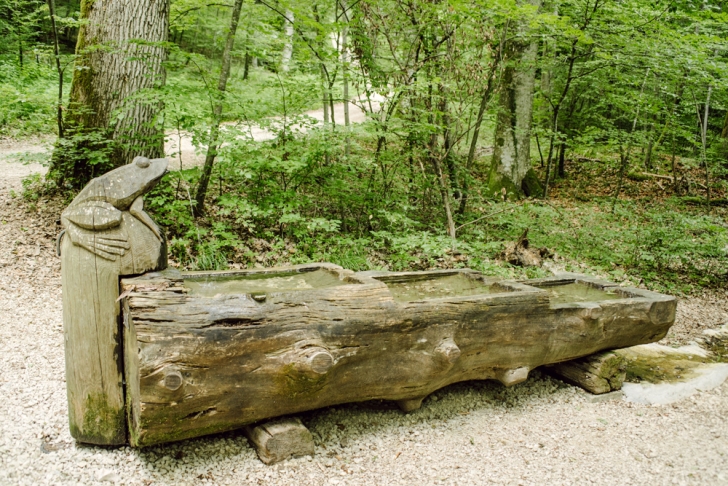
(547, 181)
(288, 43)
(345, 74)
(704, 140)
(246, 57)
(555, 114)
(325, 96)
(246, 65)
(444, 193)
(562, 156)
(59, 113)
(674, 166)
(217, 111)
(324, 75)
(474, 143)
(625, 157)
(331, 106)
(650, 146)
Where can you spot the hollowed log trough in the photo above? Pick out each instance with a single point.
(210, 352)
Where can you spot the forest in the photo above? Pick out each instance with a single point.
(392, 134)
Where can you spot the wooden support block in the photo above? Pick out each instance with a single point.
(598, 373)
(410, 405)
(278, 440)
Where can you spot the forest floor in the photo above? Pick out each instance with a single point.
(539, 432)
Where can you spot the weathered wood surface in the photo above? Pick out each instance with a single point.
(281, 439)
(199, 365)
(599, 373)
(107, 234)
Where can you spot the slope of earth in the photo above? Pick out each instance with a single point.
(538, 432)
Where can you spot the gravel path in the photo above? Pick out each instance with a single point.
(538, 432)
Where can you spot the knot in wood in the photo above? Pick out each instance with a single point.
(173, 380)
(449, 350)
(259, 296)
(318, 360)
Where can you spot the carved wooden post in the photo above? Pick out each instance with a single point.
(107, 234)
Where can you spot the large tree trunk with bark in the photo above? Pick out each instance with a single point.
(511, 153)
(119, 56)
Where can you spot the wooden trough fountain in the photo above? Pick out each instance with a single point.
(196, 353)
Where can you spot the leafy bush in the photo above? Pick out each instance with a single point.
(29, 97)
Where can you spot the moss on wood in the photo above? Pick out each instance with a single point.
(531, 185)
(102, 424)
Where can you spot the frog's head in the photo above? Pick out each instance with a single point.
(123, 185)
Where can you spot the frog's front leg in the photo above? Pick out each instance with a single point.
(137, 210)
(106, 245)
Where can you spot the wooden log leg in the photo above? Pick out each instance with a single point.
(513, 376)
(91, 333)
(278, 440)
(598, 373)
(410, 405)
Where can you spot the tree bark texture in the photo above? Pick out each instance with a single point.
(511, 152)
(119, 57)
(198, 365)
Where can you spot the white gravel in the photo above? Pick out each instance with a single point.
(539, 432)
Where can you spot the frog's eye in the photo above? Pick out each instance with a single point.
(142, 162)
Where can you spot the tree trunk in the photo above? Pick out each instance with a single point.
(288, 45)
(57, 55)
(473, 145)
(624, 162)
(345, 74)
(111, 68)
(246, 65)
(704, 143)
(217, 112)
(562, 156)
(511, 153)
(650, 144)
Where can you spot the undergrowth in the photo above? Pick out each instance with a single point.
(665, 245)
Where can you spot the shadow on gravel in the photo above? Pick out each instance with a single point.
(338, 427)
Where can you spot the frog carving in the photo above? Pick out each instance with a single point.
(107, 217)
(107, 234)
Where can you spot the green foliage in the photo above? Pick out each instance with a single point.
(27, 96)
(669, 247)
(630, 79)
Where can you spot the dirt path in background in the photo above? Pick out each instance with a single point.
(11, 150)
(192, 157)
